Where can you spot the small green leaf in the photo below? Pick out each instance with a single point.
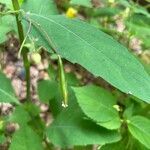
(72, 79)
(140, 128)
(7, 94)
(128, 111)
(32, 109)
(26, 139)
(86, 3)
(37, 125)
(20, 116)
(7, 24)
(98, 104)
(71, 128)
(47, 90)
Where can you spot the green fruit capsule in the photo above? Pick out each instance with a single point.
(35, 58)
(62, 81)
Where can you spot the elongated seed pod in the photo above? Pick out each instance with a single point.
(62, 82)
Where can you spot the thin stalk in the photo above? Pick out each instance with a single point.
(9, 12)
(51, 45)
(22, 45)
(25, 50)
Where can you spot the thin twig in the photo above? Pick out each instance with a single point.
(38, 26)
(22, 45)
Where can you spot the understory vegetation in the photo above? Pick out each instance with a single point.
(74, 75)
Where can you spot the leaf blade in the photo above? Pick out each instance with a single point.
(70, 128)
(91, 46)
(6, 91)
(7, 24)
(25, 139)
(97, 104)
(140, 128)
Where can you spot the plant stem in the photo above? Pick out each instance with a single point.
(8, 13)
(25, 50)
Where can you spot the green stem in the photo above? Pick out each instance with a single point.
(25, 50)
(8, 13)
(51, 45)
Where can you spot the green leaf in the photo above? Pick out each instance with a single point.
(38, 125)
(146, 66)
(128, 111)
(26, 139)
(20, 116)
(32, 109)
(86, 3)
(78, 42)
(72, 79)
(140, 129)
(97, 104)
(7, 94)
(71, 128)
(125, 144)
(56, 104)
(45, 8)
(114, 146)
(137, 145)
(52, 72)
(7, 24)
(47, 90)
